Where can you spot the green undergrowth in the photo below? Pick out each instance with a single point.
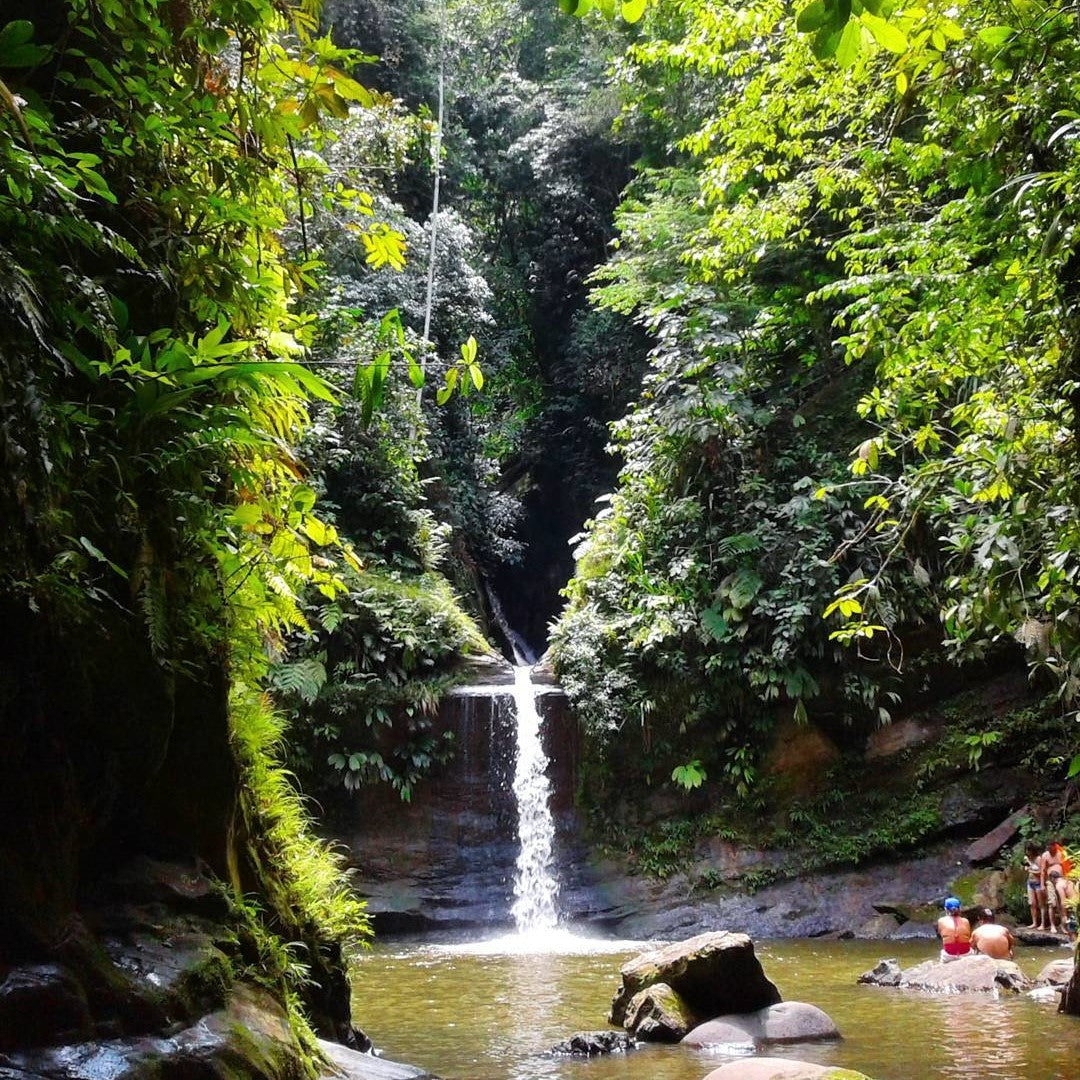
(362, 687)
(862, 809)
(291, 935)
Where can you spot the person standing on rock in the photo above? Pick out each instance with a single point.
(991, 938)
(1036, 892)
(1055, 881)
(954, 931)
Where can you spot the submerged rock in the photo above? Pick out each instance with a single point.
(594, 1043)
(785, 1022)
(769, 1068)
(714, 974)
(884, 973)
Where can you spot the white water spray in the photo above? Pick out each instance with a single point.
(535, 886)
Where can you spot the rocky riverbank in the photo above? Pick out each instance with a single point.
(155, 976)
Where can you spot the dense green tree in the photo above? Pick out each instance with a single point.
(879, 210)
(157, 531)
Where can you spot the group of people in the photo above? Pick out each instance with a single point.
(958, 939)
(1051, 894)
(1049, 888)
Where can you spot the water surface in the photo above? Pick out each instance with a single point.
(490, 1010)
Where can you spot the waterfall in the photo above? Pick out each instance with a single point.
(535, 886)
(518, 645)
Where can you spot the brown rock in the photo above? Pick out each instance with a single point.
(893, 738)
(986, 847)
(801, 754)
(715, 974)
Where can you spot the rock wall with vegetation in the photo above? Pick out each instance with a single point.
(157, 531)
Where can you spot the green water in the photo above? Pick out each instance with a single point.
(488, 1012)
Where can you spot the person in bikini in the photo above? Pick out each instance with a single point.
(954, 931)
(1036, 892)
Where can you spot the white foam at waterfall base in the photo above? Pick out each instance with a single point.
(558, 941)
(536, 889)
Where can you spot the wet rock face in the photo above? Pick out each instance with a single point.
(42, 1004)
(208, 1049)
(143, 984)
(446, 860)
(713, 974)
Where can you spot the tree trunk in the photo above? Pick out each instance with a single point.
(1070, 997)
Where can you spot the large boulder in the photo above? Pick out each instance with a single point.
(714, 974)
(768, 1068)
(346, 1064)
(1056, 973)
(785, 1022)
(970, 974)
(249, 1037)
(658, 1014)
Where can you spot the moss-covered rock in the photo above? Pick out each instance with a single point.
(659, 1014)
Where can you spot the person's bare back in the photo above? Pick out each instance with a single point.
(954, 931)
(992, 939)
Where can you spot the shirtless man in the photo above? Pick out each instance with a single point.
(1055, 882)
(991, 938)
(954, 931)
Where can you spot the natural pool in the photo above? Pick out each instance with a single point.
(489, 1010)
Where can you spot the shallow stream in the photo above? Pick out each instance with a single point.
(489, 1011)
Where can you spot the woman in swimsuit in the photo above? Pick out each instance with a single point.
(1036, 893)
(954, 931)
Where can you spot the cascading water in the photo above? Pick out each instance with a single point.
(535, 886)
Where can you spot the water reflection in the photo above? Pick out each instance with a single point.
(489, 1010)
(972, 1027)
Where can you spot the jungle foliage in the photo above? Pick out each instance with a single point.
(161, 162)
(858, 266)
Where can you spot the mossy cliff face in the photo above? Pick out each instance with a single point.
(107, 761)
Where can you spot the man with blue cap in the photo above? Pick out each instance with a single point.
(954, 931)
